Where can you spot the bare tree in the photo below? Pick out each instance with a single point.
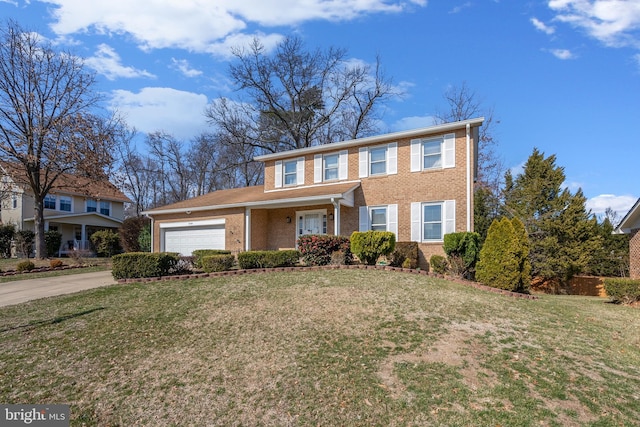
(175, 176)
(299, 98)
(463, 103)
(47, 127)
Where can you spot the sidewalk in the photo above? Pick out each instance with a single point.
(21, 291)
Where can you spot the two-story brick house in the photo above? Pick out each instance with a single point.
(417, 184)
(75, 206)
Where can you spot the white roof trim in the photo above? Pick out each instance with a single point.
(628, 220)
(446, 127)
(75, 215)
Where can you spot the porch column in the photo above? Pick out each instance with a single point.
(83, 235)
(336, 217)
(46, 225)
(247, 229)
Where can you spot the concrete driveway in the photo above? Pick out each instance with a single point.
(21, 291)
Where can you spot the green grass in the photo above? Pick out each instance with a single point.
(338, 347)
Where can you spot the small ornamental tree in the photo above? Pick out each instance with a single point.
(368, 246)
(7, 233)
(106, 242)
(503, 260)
(463, 251)
(130, 233)
(53, 240)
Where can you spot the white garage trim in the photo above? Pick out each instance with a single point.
(218, 221)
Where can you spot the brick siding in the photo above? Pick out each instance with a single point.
(634, 254)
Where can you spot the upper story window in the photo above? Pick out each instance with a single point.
(105, 208)
(433, 153)
(14, 201)
(431, 221)
(49, 202)
(330, 167)
(378, 160)
(289, 172)
(65, 204)
(92, 205)
(379, 218)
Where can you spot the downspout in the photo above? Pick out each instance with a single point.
(469, 177)
(336, 216)
(247, 229)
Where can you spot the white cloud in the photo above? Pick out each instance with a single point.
(459, 9)
(613, 22)
(562, 53)
(106, 61)
(183, 66)
(203, 26)
(620, 204)
(158, 108)
(541, 26)
(413, 122)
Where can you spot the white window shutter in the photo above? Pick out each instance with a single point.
(278, 173)
(317, 168)
(364, 218)
(300, 171)
(363, 162)
(449, 151)
(449, 216)
(392, 219)
(416, 161)
(343, 165)
(392, 158)
(416, 222)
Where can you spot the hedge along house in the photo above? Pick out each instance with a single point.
(417, 184)
(630, 225)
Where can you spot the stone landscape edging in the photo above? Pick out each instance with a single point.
(329, 267)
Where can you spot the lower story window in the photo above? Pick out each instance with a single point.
(430, 221)
(379, 219)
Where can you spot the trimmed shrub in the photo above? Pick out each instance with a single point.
(199, 254)
(504, 258)
(25, 266)
(7, 233)
(130, 233)
(24, 242)
(143, 264)
(106, 243)
(439, 264)
(55, 263)
(267, 259)
(318, 249)
(463, 252)
(220, 262)
(405, 255)
(368, 246)
(53, 241)
(622, 290)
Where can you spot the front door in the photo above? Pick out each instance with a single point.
(312, 222)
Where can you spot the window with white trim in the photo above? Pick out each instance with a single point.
(433, 153)
(378, 160)
(92, 205)
(430, 221)
(379, 218)
(49, 201)
(65, 204)
(14, 200)
(289, 172)
(105, 208)
(290, 168)
(330, 167)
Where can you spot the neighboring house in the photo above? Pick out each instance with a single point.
(630, 224)
(76, 207)
(417, 184)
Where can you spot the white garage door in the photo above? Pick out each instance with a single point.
(187, 239)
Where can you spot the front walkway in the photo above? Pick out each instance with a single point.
(20, 291)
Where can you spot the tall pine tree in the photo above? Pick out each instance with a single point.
(563, 236)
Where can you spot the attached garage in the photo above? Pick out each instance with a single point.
(185, 237)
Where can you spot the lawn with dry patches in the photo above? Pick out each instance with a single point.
(339, 347)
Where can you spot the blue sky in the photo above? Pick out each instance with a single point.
(560, 75)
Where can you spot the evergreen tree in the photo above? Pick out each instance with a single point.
(611, 259)
(562, 234)
(498, 266)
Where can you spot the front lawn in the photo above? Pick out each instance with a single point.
(329, 348)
